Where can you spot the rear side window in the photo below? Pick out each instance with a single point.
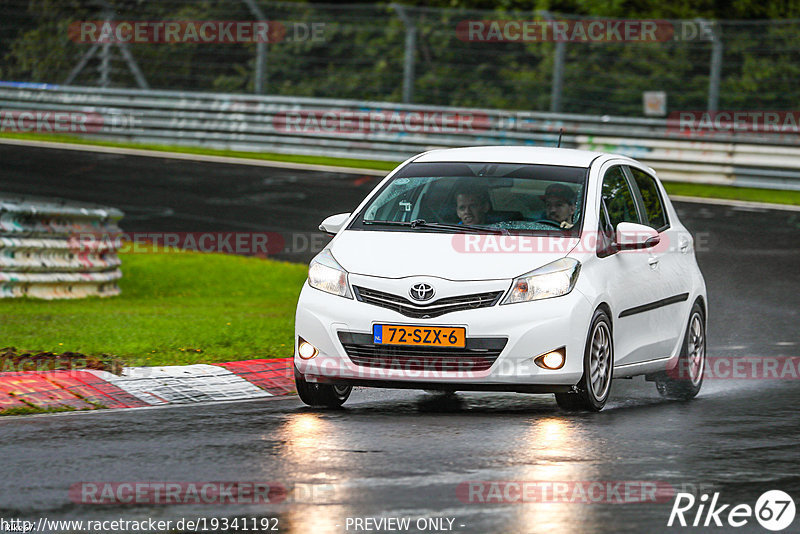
(618, 198)
(654, 208)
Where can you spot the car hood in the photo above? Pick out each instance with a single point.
(450, 256)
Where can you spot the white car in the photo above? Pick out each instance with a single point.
(534, 270)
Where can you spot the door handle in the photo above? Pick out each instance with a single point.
(653, 261)
(683, 246)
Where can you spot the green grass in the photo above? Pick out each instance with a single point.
(29, 410)
(673, 188)
(176, 308)
(733, 193)
(290, 158)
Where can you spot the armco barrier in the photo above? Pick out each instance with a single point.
(388, 131)
(55, 250)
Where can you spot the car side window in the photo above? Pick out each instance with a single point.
(655, 215)
(618, 198)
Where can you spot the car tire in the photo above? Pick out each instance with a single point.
(320, 395)
(686, 379)
(594, 388)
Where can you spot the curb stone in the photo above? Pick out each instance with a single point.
(146, 386)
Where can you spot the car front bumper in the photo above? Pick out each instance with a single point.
(531, 329)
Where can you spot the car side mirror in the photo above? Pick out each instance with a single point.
(632, 236)
(334, 223)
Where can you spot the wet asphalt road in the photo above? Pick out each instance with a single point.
(404, 454)
(172, 195)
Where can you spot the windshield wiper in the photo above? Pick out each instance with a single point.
(444, 226)
(386, 223)
(422, 223)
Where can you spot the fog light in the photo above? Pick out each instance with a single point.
(552, 360)
(305, 349)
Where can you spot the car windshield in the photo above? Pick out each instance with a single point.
(454, 197)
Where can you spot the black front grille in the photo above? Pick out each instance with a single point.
(428, 309)
(478, 355)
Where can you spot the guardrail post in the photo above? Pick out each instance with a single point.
(259, 84)
(716, 68)
(105, 62)
(410, 53)
(558, 77)
(558, 70)
(260, 75)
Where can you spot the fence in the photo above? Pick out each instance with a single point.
(48, 249)
(386, 131)
(395, 53)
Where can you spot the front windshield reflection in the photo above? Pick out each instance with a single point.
(509, 197)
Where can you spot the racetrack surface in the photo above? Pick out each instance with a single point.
(405, 453)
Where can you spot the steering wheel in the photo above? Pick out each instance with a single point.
(548, 221)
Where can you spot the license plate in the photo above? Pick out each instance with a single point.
(427, 336)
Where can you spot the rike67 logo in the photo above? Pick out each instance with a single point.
(774, 510)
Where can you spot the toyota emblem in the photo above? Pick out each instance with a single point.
(421, 292)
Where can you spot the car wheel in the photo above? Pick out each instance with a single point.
(594, 388)
(321, 395)
(686, 379)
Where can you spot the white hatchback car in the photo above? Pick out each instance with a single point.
(535, 270)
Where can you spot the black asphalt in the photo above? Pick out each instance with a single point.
(401, 453)
(163, 195)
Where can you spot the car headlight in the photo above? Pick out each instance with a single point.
(325, 274)
(553, 280)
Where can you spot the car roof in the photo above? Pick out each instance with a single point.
(565, 157)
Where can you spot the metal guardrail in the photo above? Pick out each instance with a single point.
(56, 250)
(390, 131)
(420, 54)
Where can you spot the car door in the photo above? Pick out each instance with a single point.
(626, 274)
(671, 287)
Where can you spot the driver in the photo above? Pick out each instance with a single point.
(559, 202)
(472, 205)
